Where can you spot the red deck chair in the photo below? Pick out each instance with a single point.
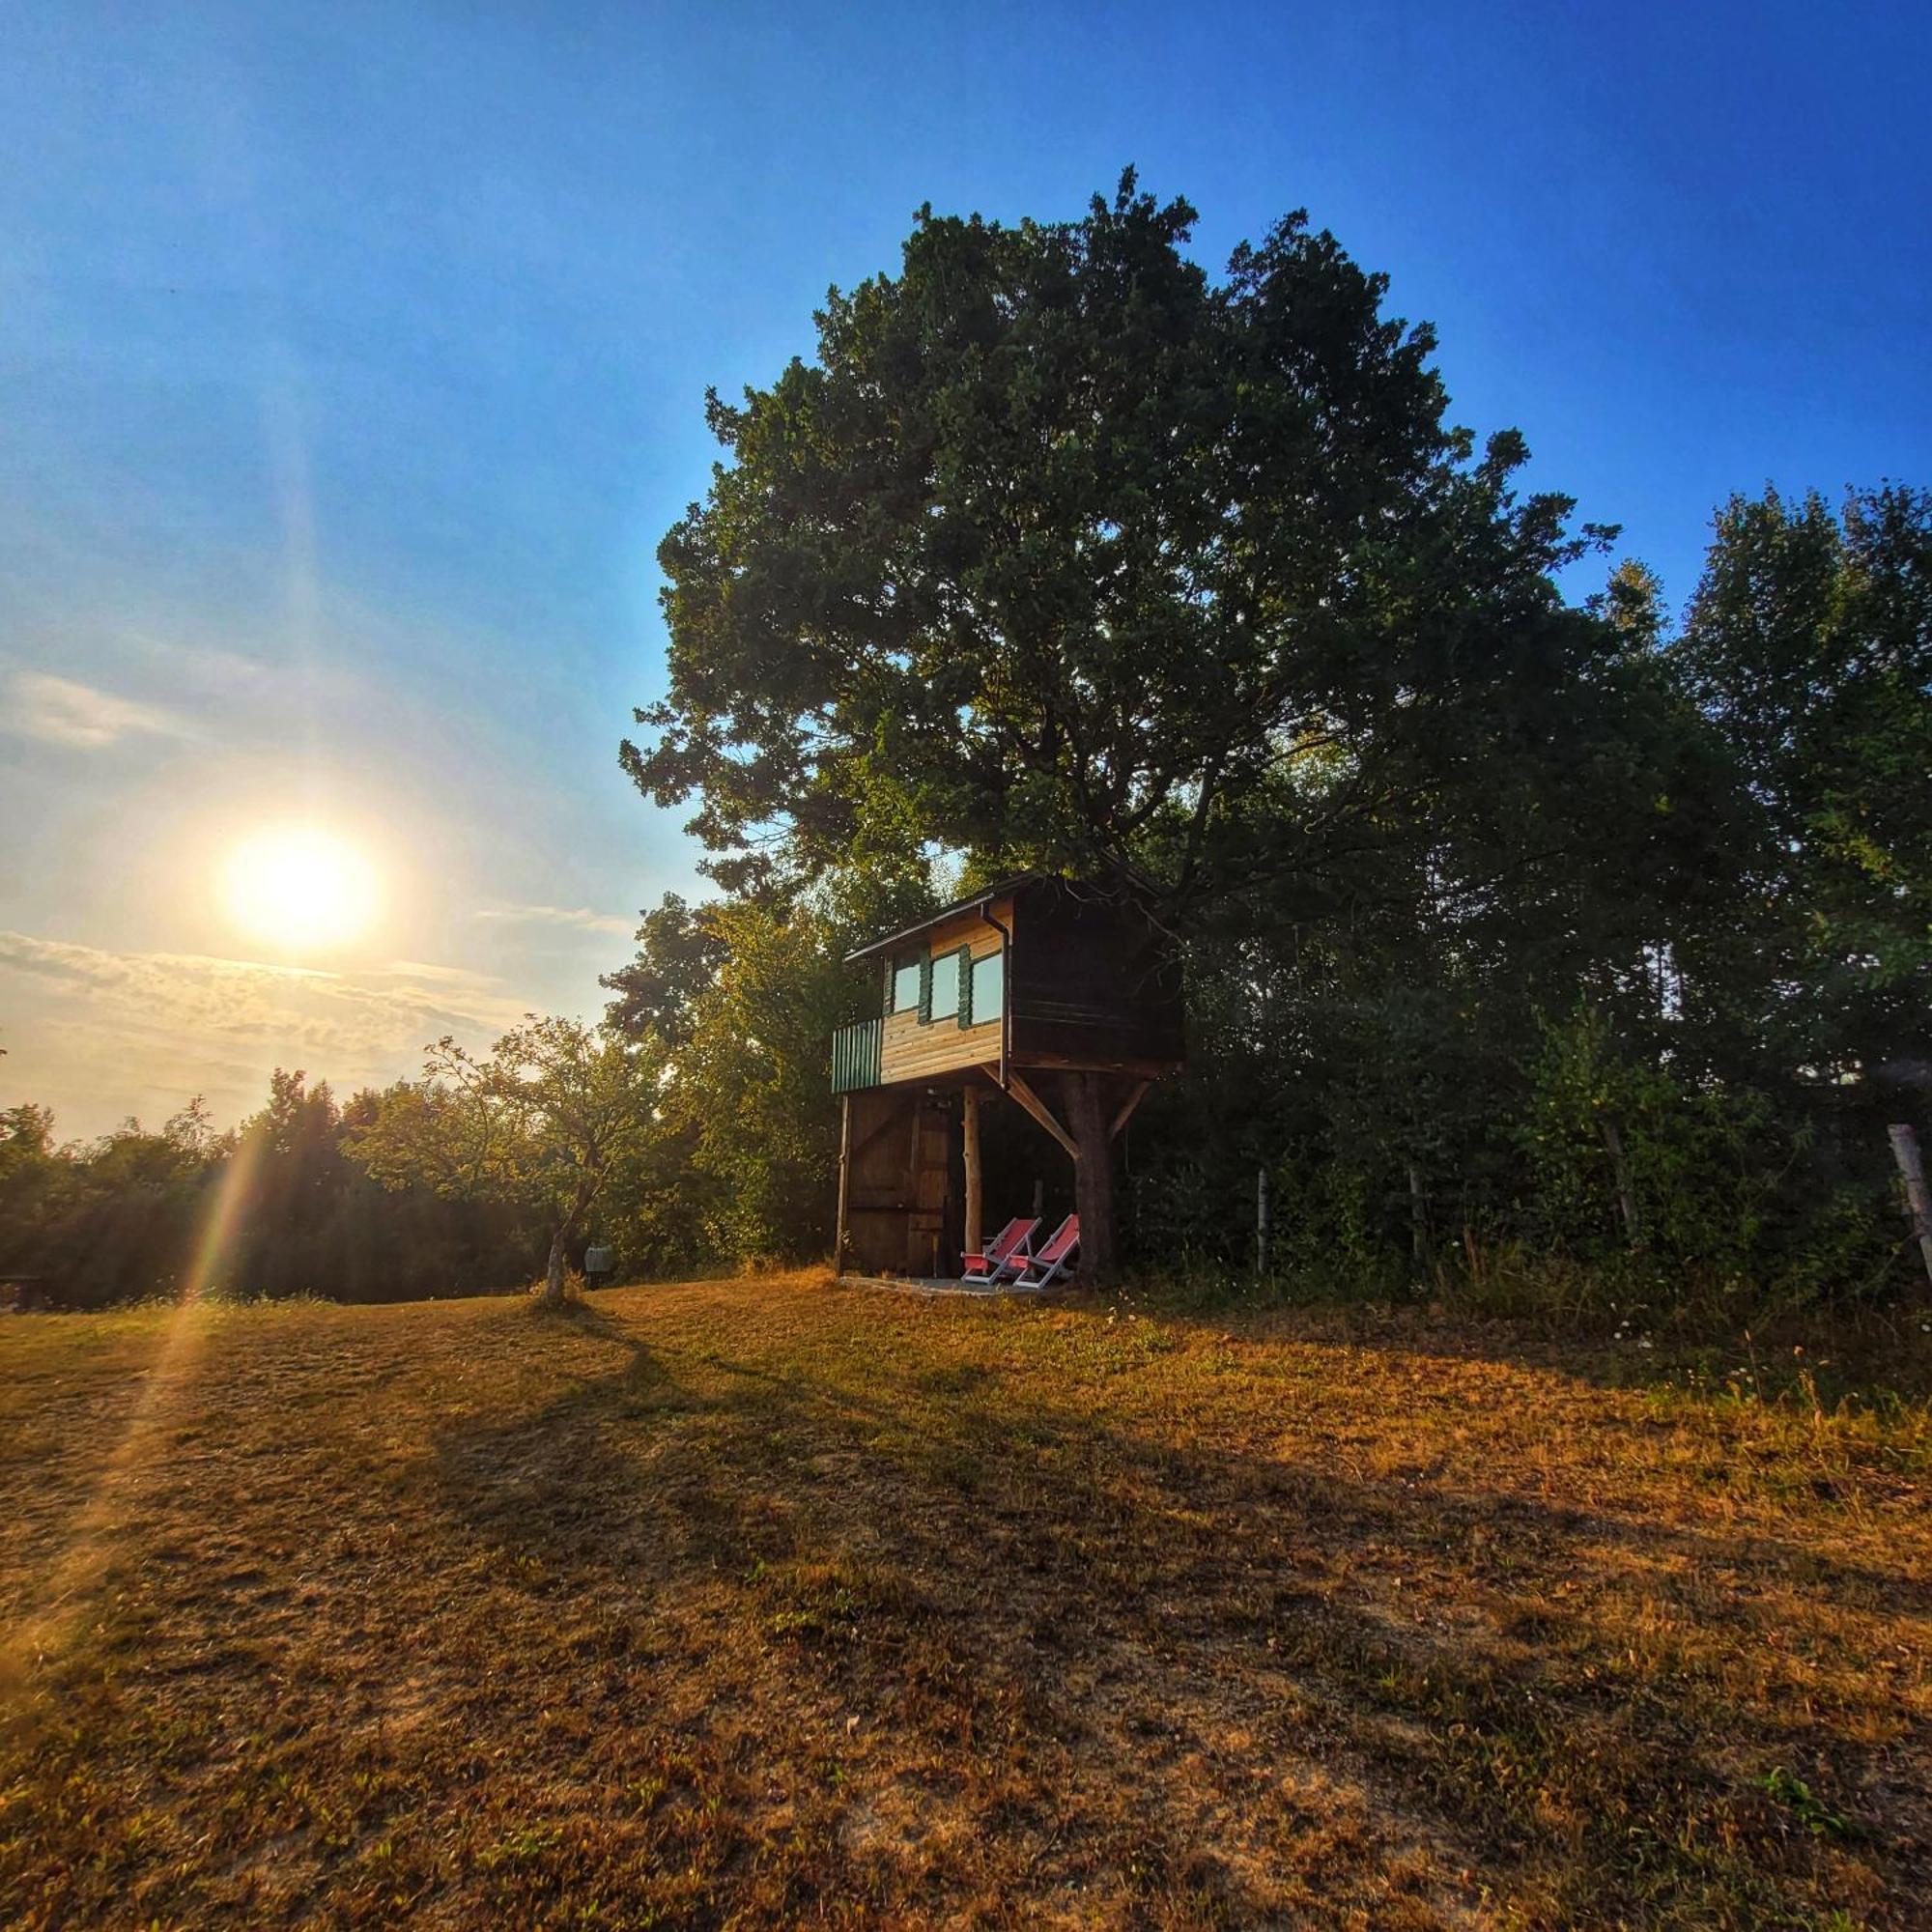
(1000, 1252)
(1053, 1259)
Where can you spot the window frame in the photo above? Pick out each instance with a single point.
(968, 1009)
(931, 1013)
(900, 963)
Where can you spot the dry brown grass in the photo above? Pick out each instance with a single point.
(766, 1602)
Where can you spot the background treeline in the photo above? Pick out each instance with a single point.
(1558, 1086)
(1656, 1071)
(275, 1208)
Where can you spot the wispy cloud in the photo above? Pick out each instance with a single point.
(224, 1023)
(578, 917)
(62, 711)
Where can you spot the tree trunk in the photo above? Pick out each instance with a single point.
(1917, 1195)
(1614, 1140)
(553, 1295)
(560, 1244)
(1091, 1124)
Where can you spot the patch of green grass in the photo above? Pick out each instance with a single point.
(1810, 1811)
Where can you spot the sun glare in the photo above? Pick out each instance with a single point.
(297, 886)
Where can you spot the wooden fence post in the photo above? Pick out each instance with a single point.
(845, 1180)
(1263, 1221)
(1918, 1197)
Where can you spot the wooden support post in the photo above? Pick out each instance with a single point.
(844, 1179)
(1418, 1219)
(970, 1137)
(1136, 1094)
(1041, 1113)
(1917, 1195)
(1263, 1221)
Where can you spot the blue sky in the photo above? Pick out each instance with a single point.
(352, 363)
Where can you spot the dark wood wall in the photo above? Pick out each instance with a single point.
(1092, 982)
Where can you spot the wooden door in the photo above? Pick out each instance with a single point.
(931, 1149)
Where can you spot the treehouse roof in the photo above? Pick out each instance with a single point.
(998, 890)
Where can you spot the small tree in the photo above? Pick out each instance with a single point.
(542, 1120)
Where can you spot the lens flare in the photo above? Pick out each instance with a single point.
(155, 1407)
(299, 887)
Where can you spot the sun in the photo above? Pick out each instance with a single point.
(299, 887)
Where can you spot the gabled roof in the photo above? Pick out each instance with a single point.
(998, 890)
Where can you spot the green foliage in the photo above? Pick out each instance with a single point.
(83, 1226)
(274, 1210)
(1816, 1816)
(747, 1128)
(1061, 554)
(753, 1081)
(542, 1122)
(1810, 644)
(1697, 1166)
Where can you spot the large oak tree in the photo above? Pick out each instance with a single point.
(1075, 557)
(1062, 553)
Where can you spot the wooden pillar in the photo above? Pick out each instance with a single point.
(844, 1179)
(970, 1133)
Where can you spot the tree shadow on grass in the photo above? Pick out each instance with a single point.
(1203, 1684)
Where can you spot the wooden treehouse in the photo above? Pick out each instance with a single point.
(1017, 1032)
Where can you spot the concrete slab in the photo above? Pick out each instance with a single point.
(916, 1284)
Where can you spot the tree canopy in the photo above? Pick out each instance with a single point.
(1063, 553)
(545, 1120)
(1809, 645)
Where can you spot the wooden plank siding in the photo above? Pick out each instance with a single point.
(1091, 984)
(881, 1180)
(912, 1051)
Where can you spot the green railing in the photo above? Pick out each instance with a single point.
(855, 1055)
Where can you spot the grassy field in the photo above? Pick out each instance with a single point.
(767, 1602)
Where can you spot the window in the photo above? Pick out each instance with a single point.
(905, 985)
(945, 986)
(989, 990)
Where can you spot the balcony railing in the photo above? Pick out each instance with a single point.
(855, 1055)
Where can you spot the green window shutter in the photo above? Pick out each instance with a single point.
(965, 986)
(925, 990)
